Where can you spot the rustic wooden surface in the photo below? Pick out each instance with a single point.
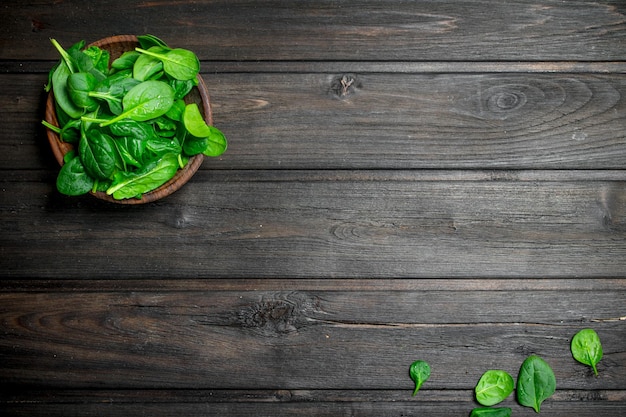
(405, 180)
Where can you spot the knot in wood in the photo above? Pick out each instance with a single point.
(278, 316)
(344, 86)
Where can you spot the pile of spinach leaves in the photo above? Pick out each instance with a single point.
(128, 121)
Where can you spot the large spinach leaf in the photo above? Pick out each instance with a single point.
(134, 184)
(97, 153)
(180, 64)
(145, 101)
(535, 383)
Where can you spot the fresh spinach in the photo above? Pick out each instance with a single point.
(145, 101)
(97, 152)
(535, 383)
(180, 64)
(80, 84)
(134, 184)
(127, 120)
(210, 139)
(73, 180)
(491, 412)
(493, 387)
(586, 348)
(419, 372)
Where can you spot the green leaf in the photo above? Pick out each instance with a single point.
(145, 101)
(491, 412)
(61, 91)
(97, 153)
(129, 185)
(73, 180)
(419, 371)
(208, 138)
(147, 66)
(147, 41)
(126, 60)
(535, 383)
(181, 64)
(586, 348)
(80, 84)
(493, 387)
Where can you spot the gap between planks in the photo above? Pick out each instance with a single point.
(346, 285)
(406, 67)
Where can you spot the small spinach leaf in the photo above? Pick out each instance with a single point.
(126, 60)
(586, 348)
(211, 138)
(493, 387)
(535, 383)
(419, 371)
(491, 412)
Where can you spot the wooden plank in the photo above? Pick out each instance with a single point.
(300, 340)
(248, 225)
(386, 30)
(382, 121)
(299, 403)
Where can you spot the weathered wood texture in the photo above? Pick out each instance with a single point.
(344, 344)
(333, 224)
(404, 180)
(378, 30)
(391, 121)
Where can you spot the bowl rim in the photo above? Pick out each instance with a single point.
(60, 148)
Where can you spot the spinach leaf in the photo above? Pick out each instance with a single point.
(99, 57)
(147, 41)
(493, 387)
(61, 91)
(147, 66)
(134, 184)
(182, 88)
(80, 84)
(132, 151)
(145, 101)
(125, 61)
(209, 137)
(586, 348)
(535, 383)
(491, 412)
(97, 153)
(181, 64)
(419, 371)
(73, 180)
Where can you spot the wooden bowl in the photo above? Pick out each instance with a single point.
(116, 45)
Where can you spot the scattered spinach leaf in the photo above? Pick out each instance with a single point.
(493, 387)
(491, 412)
(535, 383)
(586, 348)
(419, 372)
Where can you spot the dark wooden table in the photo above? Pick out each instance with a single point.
(405, 180)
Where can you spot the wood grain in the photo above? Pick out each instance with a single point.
(390, 121)
(300, 339)
(382, 30)
(251, 224)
